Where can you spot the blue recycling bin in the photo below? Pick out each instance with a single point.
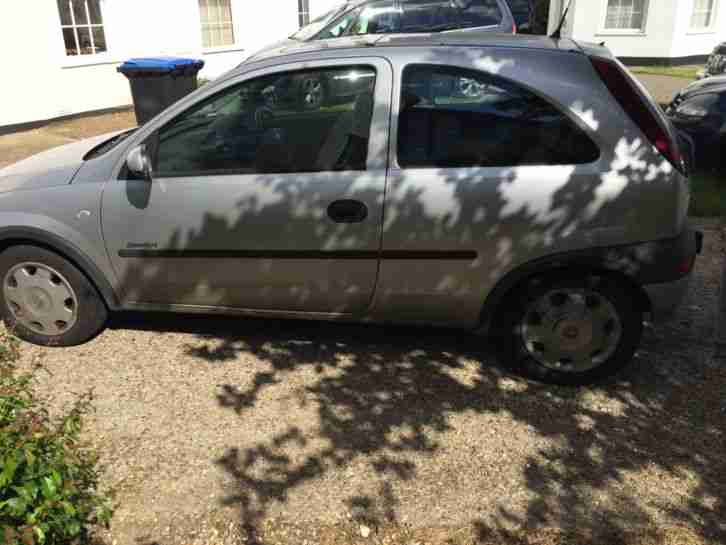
(158, 82)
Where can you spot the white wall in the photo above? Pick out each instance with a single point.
(656, 40)
(40, 82)
(690, 41)
(667, 33)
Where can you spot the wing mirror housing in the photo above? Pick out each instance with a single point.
(138, 163)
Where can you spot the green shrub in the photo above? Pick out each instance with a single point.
(48, 477)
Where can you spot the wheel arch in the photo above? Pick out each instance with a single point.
(16, 236)
(518, 277)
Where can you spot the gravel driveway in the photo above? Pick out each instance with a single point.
(248, 421)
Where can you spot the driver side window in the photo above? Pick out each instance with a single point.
(303, 121)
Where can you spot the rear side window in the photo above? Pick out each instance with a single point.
(452, 117)
(437, 15)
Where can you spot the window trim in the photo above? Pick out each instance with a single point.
(708, 29)
(607, 31)
(152, 140)
(563, 109)
(98, 57)
(234, 46)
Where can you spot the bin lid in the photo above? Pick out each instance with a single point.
(159, 65)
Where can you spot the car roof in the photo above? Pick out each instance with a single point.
(464, 38)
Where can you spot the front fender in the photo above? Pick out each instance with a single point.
(50, 234)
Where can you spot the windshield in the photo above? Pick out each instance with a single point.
(315, 26)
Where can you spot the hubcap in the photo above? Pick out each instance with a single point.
(572, 330)
(312, 93)
(40, 298)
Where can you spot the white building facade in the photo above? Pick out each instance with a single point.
(61, 55)
(646, 31)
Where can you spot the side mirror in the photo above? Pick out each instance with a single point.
(138, 163)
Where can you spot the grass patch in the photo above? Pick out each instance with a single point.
(707, 196)
(689, 71)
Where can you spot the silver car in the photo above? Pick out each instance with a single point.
(359, 17)
(521, 186)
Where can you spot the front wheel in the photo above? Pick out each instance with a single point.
(570, 331)
(46, 300)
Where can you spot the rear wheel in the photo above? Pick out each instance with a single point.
(572, 330)
(46, 300)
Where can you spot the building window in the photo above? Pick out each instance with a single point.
(703, 12)
(217, 26)
(303, 12)
(625, 15)
(82, 26)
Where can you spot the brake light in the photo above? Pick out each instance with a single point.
(633, 102)
(685, 266)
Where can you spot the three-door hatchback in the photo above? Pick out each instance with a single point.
(524, 186)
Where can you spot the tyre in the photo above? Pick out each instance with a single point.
(312, 92)
(569, 330)
(46, 300)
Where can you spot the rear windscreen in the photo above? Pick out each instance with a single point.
(432, 16)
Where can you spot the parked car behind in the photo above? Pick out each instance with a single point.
(716, 63)
(523, 12)
(361, 17)
(699, 110)
(377, 17)
(544, 202)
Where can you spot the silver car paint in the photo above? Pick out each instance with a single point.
(508, 216)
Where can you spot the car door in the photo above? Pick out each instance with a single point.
(257, 200)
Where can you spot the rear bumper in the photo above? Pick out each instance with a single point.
(666, 297)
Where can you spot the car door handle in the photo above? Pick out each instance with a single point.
(347, 211)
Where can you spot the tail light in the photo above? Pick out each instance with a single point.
(633, 102)
(514, 27)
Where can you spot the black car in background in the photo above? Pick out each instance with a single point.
(716, 63)
(699, 111)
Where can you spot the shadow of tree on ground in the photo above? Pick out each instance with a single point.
(384, 396)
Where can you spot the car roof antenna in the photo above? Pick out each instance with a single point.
(557, 34)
